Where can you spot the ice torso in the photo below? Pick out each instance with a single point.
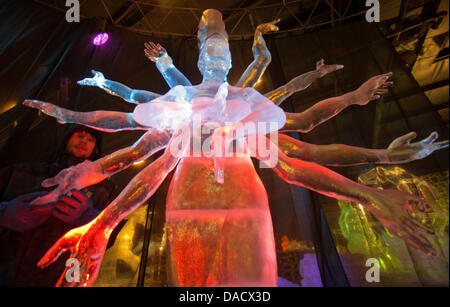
(209, 102)
(210, 226)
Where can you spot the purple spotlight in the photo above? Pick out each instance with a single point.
(100, 39)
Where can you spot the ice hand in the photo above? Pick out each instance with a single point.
(372, 89)
(326, 69)
(154, 52)
(60, 114)
(87, 246)
(267, 27)
(97, 80)
(76, 177)
(405, 216)
(402, 150)
(54, 195)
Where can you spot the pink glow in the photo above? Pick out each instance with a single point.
(100, 39)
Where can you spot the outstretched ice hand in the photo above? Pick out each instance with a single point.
(87, 245)
(372, 89)
(259, 46)
(267, 27)
(97, 80)
(326, 69)
(401, 150)
(154, 52)
(76, 177)
(61, 115)
(402, 214)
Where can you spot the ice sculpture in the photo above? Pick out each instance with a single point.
(217, 207)
(367, 238)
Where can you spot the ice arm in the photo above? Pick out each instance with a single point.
(301, 82)
(328, 108)
(261, 55)
(118, 89)
(128, 94)
(151, 142)
(399, 151)
(333, 155)
(87, 244)
(90, 173)
(108, 121)
(317, 114)
(398, 211)
(164, 63)
(139, 189)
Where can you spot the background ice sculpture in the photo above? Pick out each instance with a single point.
(364, 237)
(223, 220)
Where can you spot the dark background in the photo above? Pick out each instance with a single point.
(42, 56)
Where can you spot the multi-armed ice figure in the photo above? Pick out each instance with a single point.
(218, 222)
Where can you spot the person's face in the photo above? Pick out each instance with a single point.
(215, 56)
(81, 145)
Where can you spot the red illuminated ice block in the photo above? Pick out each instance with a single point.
(219, 234)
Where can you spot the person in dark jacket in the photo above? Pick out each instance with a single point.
(28, 231)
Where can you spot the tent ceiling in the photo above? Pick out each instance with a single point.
(418, 29)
